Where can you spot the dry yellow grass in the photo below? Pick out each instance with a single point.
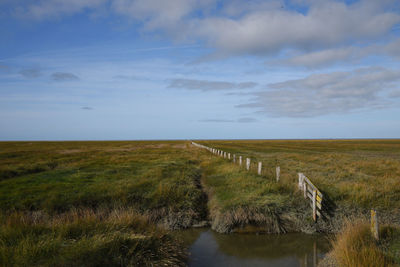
(355, 246)
(86, 237)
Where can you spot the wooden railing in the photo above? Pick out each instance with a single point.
(311, 191)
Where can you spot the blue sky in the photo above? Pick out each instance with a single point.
(188, 69)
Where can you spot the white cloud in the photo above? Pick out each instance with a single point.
(30, 73)
(320, 33)
(326, 57)
(393, 48)
(155, 14)
(204, 85)
(240, 120)
(64, 76)
(53, 8)
(320, 94)
(327, 24)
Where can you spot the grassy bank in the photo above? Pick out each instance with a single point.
(97, 203)
(245, 202)
(356, 175)
(86, 238)
(355, 246)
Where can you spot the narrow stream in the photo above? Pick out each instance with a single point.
(208, 248)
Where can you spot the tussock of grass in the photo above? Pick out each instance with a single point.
(355, 246)
(86, 238)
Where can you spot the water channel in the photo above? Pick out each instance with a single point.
(208, 248)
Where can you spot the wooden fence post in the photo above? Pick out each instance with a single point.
(247, 163)
(229, 155)
(374, 225)
(278, 173)
(305, 189)
(224, 155)
(240, 160)
(259, 168)
(314, 205)
(300, 181)
(234, 158)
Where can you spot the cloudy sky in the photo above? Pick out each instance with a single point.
(186, 69)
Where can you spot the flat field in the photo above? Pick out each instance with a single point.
(114, 203)
(96, 203)
(356, 173)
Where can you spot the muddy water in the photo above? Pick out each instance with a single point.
(208, 248)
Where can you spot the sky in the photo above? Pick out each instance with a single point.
(199, 69)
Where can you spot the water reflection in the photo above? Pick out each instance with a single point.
(208, 248)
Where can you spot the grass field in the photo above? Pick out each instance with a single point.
(96, 203)
(71, 202)
(357, 173)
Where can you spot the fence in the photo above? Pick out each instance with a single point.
(310, 191)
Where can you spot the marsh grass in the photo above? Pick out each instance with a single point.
(147, 175)
(240, 200)
(96, 203)
(355, 246)
(85, 237)
(358, 173)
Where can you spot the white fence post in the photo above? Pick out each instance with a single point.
(259, 168)
(278, 173)
(300, 181)
(240, 160)
(314, 205)
(229, 155)
(374, 224)
(247, 163)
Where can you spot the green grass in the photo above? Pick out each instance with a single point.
(96, 203)
(86, 238)
(243, 201)
(233, 186)
(358, 173)
(67, 203)
(92, 174)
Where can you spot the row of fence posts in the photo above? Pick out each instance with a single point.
(305, 185)
(230, 156)
(309, 189)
